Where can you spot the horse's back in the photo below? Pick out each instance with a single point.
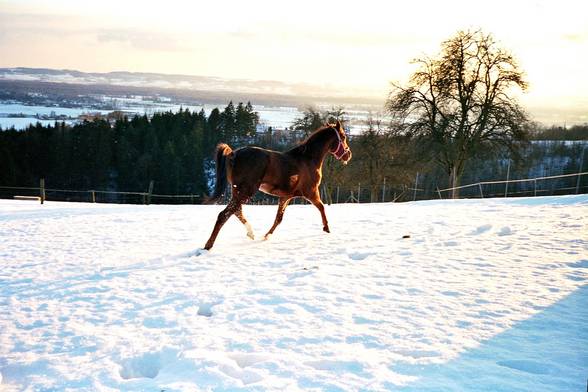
(247, 165)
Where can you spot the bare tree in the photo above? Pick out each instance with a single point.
(461, 102)
(311, 120)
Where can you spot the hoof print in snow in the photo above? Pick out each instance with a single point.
(504, 231)
(147, 365)
(198, 252)
(481, 229)
(205, 310)
(358, 256)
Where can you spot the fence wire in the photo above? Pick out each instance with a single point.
(539, 186)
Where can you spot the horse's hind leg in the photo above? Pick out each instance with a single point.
(281, 208)
(239, 214)
(315, 199)
(223, 216)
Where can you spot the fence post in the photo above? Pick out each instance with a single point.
(416, 185)
(580, 170)
(439, 192)
(337, 194)
(535, 182)
(150, 192)
(453, 182)
(93, 196)
(358, 192)
(507, 178)
(384, 191)
(481, 193)
(42, 190)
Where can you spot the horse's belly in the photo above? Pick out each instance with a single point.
(283, 187)
(271, 189)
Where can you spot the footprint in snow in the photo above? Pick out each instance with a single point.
(306, 271)
(358, 256)
(481, 229)
(505, 231)
(451, 243)
(205, 309)
(246, 359)
(147, 365)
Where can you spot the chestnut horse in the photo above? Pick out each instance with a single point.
(294, 173)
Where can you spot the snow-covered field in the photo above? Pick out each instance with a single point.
(485, 295)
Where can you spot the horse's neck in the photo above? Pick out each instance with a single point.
(317, 147)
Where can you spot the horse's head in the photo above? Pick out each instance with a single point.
(341, 150)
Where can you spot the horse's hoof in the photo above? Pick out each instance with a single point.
(250, 235)
(207, 246)
(326, 229)
(266, 237)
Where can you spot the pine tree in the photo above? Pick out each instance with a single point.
(228, 122)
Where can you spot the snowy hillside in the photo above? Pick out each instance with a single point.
(485, 295)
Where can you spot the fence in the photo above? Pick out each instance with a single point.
(538, 186)
(42, 193)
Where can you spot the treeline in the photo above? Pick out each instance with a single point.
(575, 132)
(171, 149)
(175, 150)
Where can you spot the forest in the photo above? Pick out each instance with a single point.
(168, 148)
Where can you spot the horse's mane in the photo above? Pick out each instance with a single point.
(301, 147)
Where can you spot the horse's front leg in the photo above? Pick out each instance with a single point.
(315, 199)
(281, 208)
(223, 216)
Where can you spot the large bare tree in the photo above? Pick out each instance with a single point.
(462, 101)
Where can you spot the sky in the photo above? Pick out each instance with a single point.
(359, 46)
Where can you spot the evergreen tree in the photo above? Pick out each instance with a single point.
(228, 118)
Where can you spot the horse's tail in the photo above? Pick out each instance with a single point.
(220, 186)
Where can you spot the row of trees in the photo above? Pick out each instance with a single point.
(170, 148)
(575, 132)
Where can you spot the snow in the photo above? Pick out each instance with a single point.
(20, 123)
(485, 295)
(280, 117)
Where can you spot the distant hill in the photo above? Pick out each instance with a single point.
(203, 88)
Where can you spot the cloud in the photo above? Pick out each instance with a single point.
(144, 40)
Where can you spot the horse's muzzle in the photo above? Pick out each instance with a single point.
(346, 157)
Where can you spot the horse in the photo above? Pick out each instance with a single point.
(290, 174)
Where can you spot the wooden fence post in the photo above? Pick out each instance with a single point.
(150, 192)
(416, 185)
(507, 178)
(93, 196)
(42, 190)
(384, 191)
(481, 193)
(580, 170)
